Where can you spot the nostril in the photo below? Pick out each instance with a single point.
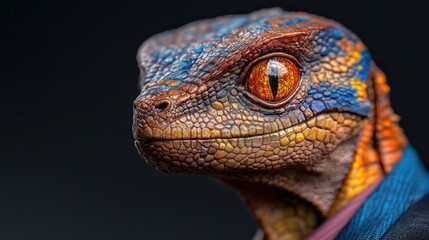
(162, 105)
(137, 104)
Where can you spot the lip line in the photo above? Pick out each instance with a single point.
(227, 138)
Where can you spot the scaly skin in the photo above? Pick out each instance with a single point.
(295, 163)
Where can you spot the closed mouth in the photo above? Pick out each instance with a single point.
(327, 114)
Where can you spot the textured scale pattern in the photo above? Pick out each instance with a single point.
(303, 159)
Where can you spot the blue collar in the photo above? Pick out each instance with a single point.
(404, 186)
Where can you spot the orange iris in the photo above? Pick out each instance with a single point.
(272, 79)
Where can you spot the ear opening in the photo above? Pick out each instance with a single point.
(388, 137)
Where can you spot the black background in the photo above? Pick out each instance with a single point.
(68, 167)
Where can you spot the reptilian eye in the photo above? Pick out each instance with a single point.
(272, 79)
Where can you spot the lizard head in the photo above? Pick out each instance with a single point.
(280, 105)
(256, 92)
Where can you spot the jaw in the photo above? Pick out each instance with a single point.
(316, 181)
(301, 145)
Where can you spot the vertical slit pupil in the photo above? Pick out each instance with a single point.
(273, 76)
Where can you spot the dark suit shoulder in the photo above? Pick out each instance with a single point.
(414, 224)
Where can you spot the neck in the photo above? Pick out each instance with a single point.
(280, 214)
